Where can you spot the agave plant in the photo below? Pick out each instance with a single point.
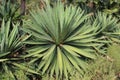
(61, 40)
(10, 44)
(107, 30)
(107, 26)
(10, 40)
(9, 10)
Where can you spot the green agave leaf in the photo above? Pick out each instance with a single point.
(4, 54)
(2, 36)
(25, 68)
(11, 75)
(60, 60)
(116, 40)
(67, 66)
(71, 51)
(49, 52)
(73, 62)
(52, 68)
(35, 51)
(34, 43)
(33, 60)
(76, 55)
(7, 31)
(35, 48)
(13, 35)
(57, 71)
(47, 58)
(2, 60)
(78, 37)
(81, 52)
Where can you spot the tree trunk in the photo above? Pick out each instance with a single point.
(23, 7)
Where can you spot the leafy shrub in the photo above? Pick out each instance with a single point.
(114, 53)
(107, 6)
(100, 69)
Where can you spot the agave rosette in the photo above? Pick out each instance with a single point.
(61, 39)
